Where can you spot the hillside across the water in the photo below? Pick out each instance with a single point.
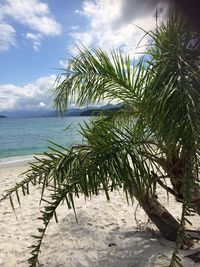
(71, 112)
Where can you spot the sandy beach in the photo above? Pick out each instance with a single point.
(106, 235)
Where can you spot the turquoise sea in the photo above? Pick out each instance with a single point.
(20, 138)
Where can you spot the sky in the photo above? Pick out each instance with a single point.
(38, 36)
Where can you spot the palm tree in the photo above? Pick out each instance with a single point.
(154, 137)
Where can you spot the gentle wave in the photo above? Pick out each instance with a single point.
(19, 160)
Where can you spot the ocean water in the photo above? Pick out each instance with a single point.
(20, 138)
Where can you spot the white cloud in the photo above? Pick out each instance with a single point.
(33, 14)
(7, 36)
(86, 38)
(28, 96)
(63, 63)
(75, 28)
(35, 39)
(111, 23)
(42, 105)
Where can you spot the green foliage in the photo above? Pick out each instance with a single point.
(95, 75)
(155, 136)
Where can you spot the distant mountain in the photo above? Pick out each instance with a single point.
(24, 113)
(2, 117)
(92, 112)
(69, 113)
(72, 112)
(104, 110)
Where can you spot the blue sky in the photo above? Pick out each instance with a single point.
(37, 36)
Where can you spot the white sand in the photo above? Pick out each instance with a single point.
(87, 243)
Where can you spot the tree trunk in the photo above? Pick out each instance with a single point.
(177, 187)
(196, 201)
(165, 222)
(176, 172)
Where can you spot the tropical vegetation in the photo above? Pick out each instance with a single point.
(154, 139)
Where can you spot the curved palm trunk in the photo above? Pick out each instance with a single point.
(174, 167)
(160, 216)
(196, 201)
(177, 187)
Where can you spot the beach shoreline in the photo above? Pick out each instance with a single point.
(106, 234)
(16, 161)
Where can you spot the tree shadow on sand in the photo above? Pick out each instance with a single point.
(93, 242)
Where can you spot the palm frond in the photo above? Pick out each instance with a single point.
(95, 76)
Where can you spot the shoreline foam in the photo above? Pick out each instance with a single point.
(17, 160)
